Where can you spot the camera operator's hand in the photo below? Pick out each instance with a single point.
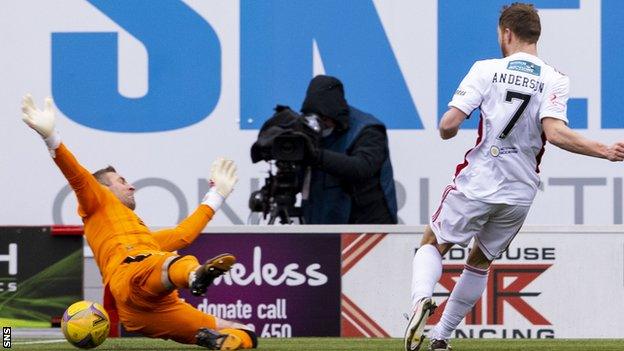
(222, 180)
(312, 152)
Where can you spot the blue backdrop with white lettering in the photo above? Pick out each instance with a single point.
(160, 88)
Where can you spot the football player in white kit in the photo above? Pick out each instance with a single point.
(523, 103)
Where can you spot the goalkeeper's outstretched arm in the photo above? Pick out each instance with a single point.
(88, 190)
(222, 180)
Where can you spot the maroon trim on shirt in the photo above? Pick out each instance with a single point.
(447, 190)
(463, 165)
(539, 155)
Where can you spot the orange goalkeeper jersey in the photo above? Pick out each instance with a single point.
(114, 231)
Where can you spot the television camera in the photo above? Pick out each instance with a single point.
(288, 141)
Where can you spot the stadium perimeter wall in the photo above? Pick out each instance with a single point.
(558, 282)
(159, 89)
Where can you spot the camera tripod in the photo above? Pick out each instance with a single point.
(285, 210)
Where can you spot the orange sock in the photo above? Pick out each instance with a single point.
(180, 269)
(248, 342)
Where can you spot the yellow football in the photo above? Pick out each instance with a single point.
(85, 324)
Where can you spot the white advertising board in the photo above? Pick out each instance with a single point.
(551, 283)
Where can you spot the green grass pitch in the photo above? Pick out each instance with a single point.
(330, 344)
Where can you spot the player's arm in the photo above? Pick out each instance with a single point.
(467, 97)
(553, 113)
(172, 239)
(560, 135)
(222, 179)
(88, 190)
(450, 122)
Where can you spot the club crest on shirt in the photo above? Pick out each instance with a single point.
(494, 151)
(504, 150)
(524, 66)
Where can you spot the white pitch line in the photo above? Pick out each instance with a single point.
(39, 342)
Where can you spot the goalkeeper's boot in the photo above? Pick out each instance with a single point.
(439, 345)
(212, 340)
(414, 334)
(209, 271)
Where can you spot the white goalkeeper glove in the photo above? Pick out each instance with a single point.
(41, 121)
(222, 180)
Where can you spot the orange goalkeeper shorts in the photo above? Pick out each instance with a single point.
(144, 308)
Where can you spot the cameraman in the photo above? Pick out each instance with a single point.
(351, 179)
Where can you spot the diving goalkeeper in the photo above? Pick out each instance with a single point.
(138, 266)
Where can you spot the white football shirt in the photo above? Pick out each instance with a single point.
(513, 94)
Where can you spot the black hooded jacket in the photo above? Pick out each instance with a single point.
(358, 168)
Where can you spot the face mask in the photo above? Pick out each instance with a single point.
(326, 132)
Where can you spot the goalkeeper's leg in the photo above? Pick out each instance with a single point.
(156, 311)
(170, 318)
(178, 272)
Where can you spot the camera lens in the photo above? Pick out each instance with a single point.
(256, 201)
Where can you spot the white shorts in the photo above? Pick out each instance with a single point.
(459, 219)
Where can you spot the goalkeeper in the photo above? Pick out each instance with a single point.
(138, 266)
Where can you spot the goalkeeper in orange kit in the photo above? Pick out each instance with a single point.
(137, 265)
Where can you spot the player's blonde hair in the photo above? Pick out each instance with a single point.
(523, 20)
